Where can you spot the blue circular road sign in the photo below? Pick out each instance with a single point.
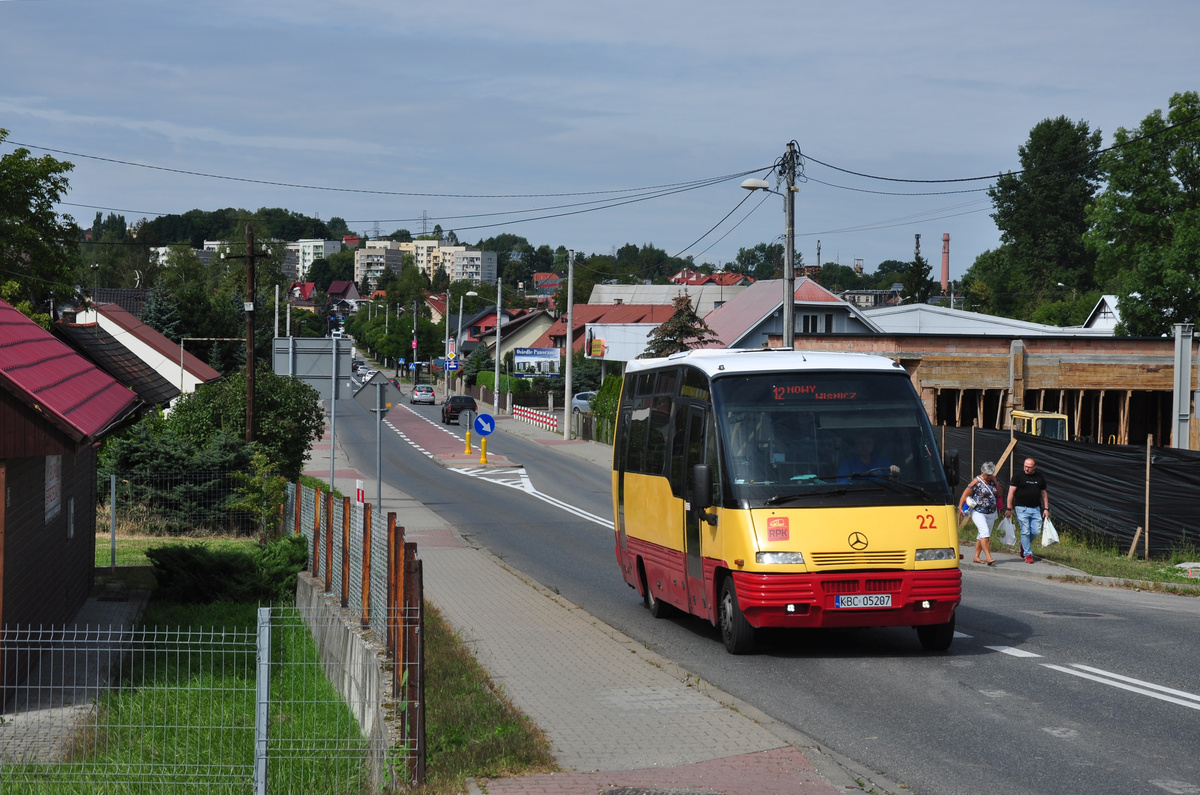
(484, 424)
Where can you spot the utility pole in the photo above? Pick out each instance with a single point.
(788, 165)
(568, 414)
(250, 256)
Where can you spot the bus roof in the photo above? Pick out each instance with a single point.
(728, 361)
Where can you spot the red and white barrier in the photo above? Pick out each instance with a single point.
(538, 418)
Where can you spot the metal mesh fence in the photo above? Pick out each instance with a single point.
(171, 503)
(155, 710)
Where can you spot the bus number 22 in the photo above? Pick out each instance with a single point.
(927, 521)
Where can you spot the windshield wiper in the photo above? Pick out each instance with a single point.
(778, 498)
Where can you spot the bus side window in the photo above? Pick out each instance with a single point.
(656, 441)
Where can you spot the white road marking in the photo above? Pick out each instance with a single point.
(1132, 685)
(958, 634)
(1176, 787)
(504, 477)
(1012, 651)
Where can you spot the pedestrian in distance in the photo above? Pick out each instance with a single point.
(1028, 497)
(980, 499)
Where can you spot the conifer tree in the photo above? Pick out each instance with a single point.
(682, 331)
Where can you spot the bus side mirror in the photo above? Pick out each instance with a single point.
(950, 465)
(701, 487)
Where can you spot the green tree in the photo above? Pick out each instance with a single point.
(1042, 211)
(764, 261)
(1146, 223)
(918, 287)
(160, 313)
(288, 416)
(37, 246)
(682, 331)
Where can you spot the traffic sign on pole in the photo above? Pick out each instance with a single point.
(484, 424)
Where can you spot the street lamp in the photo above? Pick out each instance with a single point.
(786, 166)
(1072, 289)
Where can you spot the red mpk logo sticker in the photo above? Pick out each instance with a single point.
(777, 529)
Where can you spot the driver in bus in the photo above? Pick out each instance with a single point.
(865, 461)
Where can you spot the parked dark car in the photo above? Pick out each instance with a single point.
(455, 405)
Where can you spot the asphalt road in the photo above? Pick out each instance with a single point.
(1050, 688)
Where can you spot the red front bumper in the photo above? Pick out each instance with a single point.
(807, 600)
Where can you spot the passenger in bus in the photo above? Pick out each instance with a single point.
(865, 461)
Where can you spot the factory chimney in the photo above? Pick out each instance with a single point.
(945, 262)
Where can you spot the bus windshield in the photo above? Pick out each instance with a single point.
(826, 439)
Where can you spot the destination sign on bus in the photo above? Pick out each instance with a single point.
(809, 391)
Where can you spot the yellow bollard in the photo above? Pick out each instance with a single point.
(483, 451)
(468, 450)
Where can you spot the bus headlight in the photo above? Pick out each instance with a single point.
(936, 554)
(770, 558)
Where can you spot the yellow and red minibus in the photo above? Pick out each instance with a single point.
(779, 488)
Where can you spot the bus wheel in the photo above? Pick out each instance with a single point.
(936, 637)
(735, 629)
(657, 607)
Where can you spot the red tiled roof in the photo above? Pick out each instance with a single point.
(603, 313)
(73, 394)
(306, 289)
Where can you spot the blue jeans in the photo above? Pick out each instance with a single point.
(1030, 520)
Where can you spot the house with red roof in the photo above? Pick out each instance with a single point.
(584, 315)
(694, 278)
(754, 317)
(170, 360)
(55, 406)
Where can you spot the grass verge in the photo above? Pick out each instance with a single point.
(472, 729)
(1102, 557)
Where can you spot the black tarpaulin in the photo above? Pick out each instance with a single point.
(1099, 489)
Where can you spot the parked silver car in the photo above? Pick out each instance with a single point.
(582, 402)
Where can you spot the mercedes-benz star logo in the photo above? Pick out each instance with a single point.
(857, 541)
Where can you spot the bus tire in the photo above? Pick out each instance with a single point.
(936, 637)
(657, 607)
(735, 629)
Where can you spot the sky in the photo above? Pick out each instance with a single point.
(585, 125)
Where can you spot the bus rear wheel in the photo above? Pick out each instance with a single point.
(936, 637)
(735, 629)
(657, 607)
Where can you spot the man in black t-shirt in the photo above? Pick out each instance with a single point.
(1027, 495)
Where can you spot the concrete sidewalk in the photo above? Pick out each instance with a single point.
(616, 714)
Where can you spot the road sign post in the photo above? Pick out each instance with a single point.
(484, 425)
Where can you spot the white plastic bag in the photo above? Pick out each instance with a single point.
(1049, 534)
(1007, 533)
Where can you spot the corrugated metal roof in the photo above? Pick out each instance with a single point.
(73, 394)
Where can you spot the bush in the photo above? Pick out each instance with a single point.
(199, 574)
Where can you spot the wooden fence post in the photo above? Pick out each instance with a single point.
(366, 566)
(328, 543)
(414, 660)
(316, 558)
(345, 552)
(299, 498)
